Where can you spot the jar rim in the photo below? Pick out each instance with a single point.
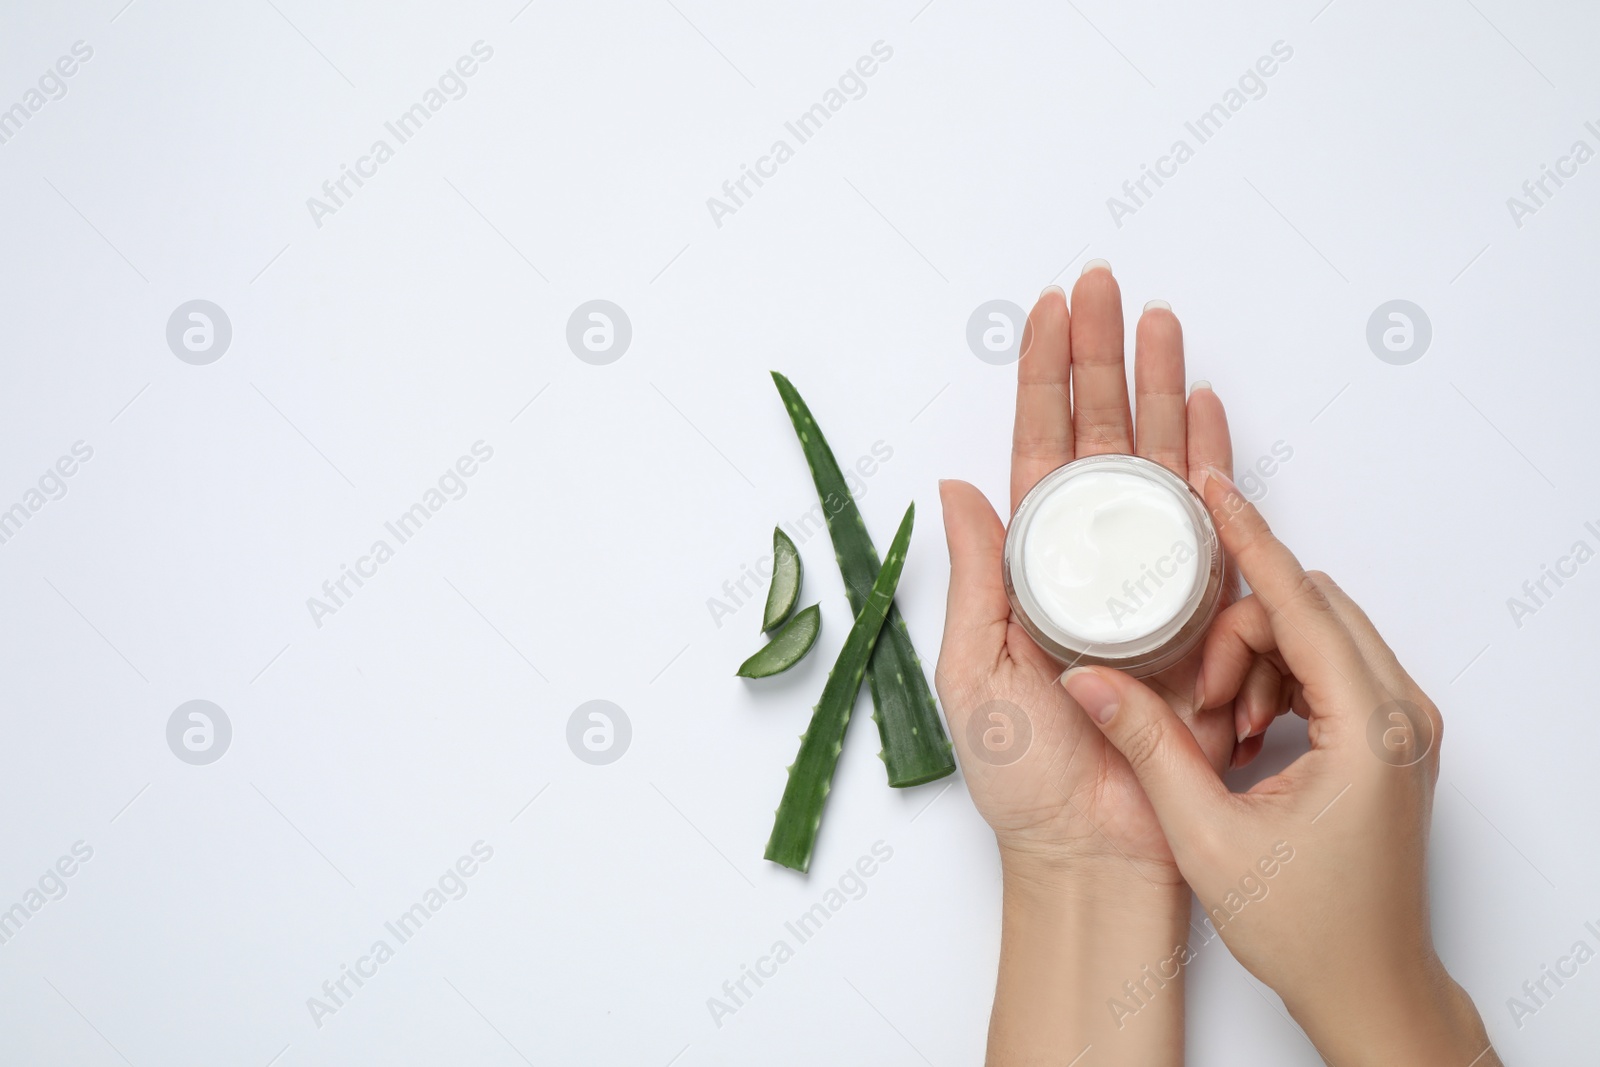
(1139, 656)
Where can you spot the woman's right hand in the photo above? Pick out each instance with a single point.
(1316, 878)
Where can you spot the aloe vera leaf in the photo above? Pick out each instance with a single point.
(786, 574)
(788, 647)
(915, 748)
(794, 830)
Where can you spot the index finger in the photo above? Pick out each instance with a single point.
(1314, 643)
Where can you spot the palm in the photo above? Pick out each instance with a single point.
(1040, 772)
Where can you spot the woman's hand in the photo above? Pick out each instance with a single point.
(1039, 771)
(1316, 878)
(1093, 897)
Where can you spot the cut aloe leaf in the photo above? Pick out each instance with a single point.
(785, 588)
(787, 648)
(915, 747)
(794, 831)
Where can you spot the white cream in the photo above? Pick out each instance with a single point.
(1111, 556)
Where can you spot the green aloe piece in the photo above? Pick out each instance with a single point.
(785, 588)
(794, 831)
(788, 647)
(915, 747)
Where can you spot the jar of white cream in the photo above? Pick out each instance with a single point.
(1113, 561)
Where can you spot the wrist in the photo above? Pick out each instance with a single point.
(1061, 886)
(1092, 952)
(1416, 1016)
(1088, 868)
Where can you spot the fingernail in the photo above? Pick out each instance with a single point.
(1241, 724)
(1227, 482)
(1096, 264)
(1047, 290)
(1157, 305)
(1092, 693)
(1199, 383)
(1233, 760)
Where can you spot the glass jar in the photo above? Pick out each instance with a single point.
(1113, 561)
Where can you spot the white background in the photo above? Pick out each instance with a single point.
(425, 315)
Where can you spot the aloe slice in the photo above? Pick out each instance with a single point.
(794, 831)
(787, 648)
(915, 747)
(785, 588)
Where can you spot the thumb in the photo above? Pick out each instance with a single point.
(977, 612)
(1164, 755)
